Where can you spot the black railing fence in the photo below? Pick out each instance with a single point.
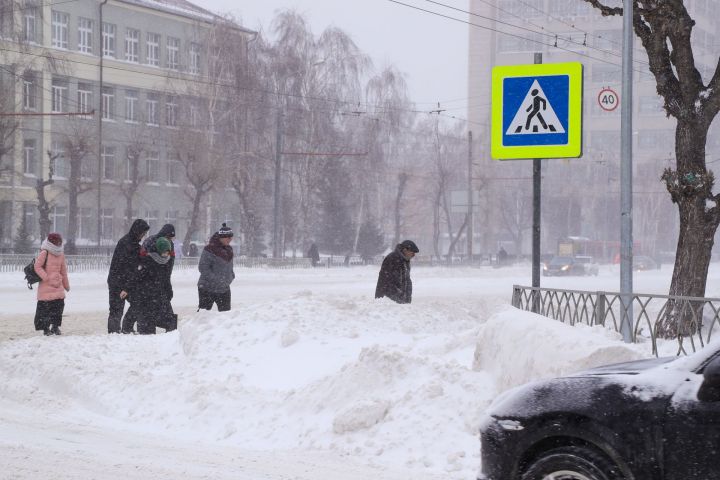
(689, 321)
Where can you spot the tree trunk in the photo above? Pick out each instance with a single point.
(194, 219)
(691, 188)
(402, 182)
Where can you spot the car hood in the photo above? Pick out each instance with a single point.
(625, 368)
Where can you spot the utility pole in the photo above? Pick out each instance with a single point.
(276, 205)
(100, 129)
(626, 236)
(470, 200)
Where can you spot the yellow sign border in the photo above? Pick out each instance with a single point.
(573, 149)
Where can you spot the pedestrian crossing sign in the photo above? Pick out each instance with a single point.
(537, 111)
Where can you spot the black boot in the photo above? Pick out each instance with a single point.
(46, 331)
(55, 330)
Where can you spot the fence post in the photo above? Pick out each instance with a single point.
(600, 305)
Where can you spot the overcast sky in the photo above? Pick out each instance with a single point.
(432, 51)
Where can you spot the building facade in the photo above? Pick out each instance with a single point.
(107, 85)
(581, 196)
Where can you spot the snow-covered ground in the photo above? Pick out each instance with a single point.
(308, 377)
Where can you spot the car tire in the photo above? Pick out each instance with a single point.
(572, 463)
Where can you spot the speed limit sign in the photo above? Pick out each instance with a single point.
(608, 99)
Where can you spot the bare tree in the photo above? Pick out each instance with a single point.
(134, 178)
(77, 143)
(665, 28)
(44, 205)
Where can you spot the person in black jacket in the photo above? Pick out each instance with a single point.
(167, 231)
(149, 292)
(394, 278)
(123, 265)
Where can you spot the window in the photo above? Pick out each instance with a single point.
(30, 157)
(131, 106)
(173, 171)
(30, 24)
(193, 114)
(171, 216)
(106, 224)
(85, 35)
(151, 110)
(153, 167)
(59, 165)
(194, 59)
(29, 92)
(568, 8)
(172, 58)
(171, 112)
(132, 45)
(151, 217)
(59, 219)
(605, 73)
(60, 29)
(85, 223)
(87, 168)
(108, 162)
(152, 46)
(108, 104)
(84, 98)
(31, 224)
(59, 98)
(108, 40)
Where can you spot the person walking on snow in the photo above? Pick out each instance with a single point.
(149, 292)
(216, 271)
(125, 260)
(394, 279)
(52, 270)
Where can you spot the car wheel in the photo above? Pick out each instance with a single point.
(572, 463)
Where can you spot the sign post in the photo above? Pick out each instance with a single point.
(536, 114)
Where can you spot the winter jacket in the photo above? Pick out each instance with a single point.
(53, 275)
(149, 247)
(126, 256)
(150, 283)
(394, 278)
(216, 273)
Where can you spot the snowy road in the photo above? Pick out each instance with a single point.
(307, 377)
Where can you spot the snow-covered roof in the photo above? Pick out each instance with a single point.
(183, 8)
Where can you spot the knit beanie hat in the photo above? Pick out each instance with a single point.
(225, 231)
(162, 245)
(55, 239)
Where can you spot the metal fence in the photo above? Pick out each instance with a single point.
(699, 317)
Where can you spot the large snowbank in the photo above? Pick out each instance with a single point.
(517, 347)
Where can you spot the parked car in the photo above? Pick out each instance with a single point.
(653, 419)
(578, 265)
(642, 262)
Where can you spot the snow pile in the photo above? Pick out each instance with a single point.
(517, 347)
(390, 384)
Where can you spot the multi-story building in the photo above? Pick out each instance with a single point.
(110, 77)
(581, 196)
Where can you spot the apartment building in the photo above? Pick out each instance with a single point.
(112, 77)
(581, 196)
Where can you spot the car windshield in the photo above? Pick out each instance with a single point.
(561, 261)
(583, 259)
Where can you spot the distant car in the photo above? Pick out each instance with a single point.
(578, 265)
(653, 419)
(642, 262)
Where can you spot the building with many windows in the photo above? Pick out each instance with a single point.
(581, 196)
(102, 84)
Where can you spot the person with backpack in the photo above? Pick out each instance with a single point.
(125, 260)
(52, 270)
(216, 271)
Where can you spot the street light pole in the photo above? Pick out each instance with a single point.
(276, 205)
(470, 201)
(100, 128)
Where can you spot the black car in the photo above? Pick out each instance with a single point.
(653, 419)
(578, 265)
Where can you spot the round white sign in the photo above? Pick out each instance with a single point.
(608, 99)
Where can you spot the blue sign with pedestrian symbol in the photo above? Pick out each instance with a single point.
(537, 111)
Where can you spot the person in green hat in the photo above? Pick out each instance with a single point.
(150, 292)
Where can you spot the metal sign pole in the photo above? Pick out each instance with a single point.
(626, 239)
(536, 222)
